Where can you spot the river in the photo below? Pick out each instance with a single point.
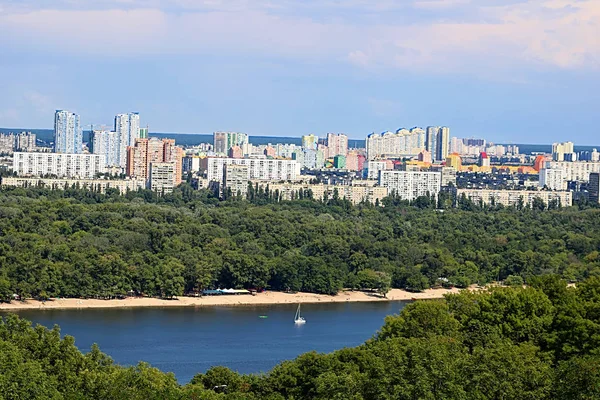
(189, 340)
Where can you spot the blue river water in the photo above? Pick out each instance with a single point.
(189, 340)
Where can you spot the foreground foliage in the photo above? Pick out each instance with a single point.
(76, 243)
(541, 342)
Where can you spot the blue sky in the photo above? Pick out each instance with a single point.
(507, 70)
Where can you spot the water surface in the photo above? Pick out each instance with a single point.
(189, 340)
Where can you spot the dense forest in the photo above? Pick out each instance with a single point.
(75, 243)
(535, 343)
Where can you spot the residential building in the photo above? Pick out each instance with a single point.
(223, 141)
(26, 142)
(402, 143)
(442, 143)
(339, 162)
(59, 164)
(575, 170)
(127, 128)
(235, 178)
(270, 152)
(425, 157)
(515, 197)
(310, 142)
(563, 151)
(154, 150)
(594, 187)
(143, 133)
(453, 160)
(106, 143)
(373, 168)
(258, 168)
(68, 136)
(409, 185)
(364, 191)
(236, 152)
(431, 135)
(97, 185)
(162, 177)
(553, 179)
(484, 160)
(337, 144)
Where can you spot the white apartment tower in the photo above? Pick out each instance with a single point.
(127, 128)
(68, 137)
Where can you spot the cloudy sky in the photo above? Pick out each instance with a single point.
(507, 70)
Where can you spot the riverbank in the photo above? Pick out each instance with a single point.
(265, 298)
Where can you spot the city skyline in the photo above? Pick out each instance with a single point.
(503, 71)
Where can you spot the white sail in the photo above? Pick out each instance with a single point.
(297, 318)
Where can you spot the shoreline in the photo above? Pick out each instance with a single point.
(266, 298)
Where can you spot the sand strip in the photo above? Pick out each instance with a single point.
(225, 300)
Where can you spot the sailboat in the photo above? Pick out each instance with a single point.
(298, 319)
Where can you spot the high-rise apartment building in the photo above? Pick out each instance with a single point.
(106, 143)
(443, 143)
(154, 150)
(402, 143)
(68, 136)
(26, 141)
(223, 141)
(563, 152)
(127, 127)
(310, 142)
(337, 144)
(431, 140)
(409, 185)
(594, 187)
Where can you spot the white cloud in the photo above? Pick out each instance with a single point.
(497, 35)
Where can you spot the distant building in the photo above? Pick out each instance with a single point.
(258, 168)
(594, 187)
(68, 136)
(97, 185)
(236, 152)
(373, 168)
(453, 160)
(143, 133)
(575, 171)
(409, 185)
(402, 143)
(235, 178)
(270, 151)
(310, 142)
(162, 177)
(127, 128)
(339, 162)
(354, 193)
(337, 144)
(514, 197)
(26, 142)
(540, 162)
(553, 178)
(484, 160)
(563, 152)
(154, 150)
(59, 165)
(223, 141)
(443, 143)
(106, 143)
(425, 157)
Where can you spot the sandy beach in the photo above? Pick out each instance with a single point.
(260, 298)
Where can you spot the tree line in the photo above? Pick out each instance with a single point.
(77, 243)
(534, 343)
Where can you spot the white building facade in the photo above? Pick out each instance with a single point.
(409, 185)
(258, 168)
(59, 164)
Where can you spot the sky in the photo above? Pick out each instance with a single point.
(510, 71)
